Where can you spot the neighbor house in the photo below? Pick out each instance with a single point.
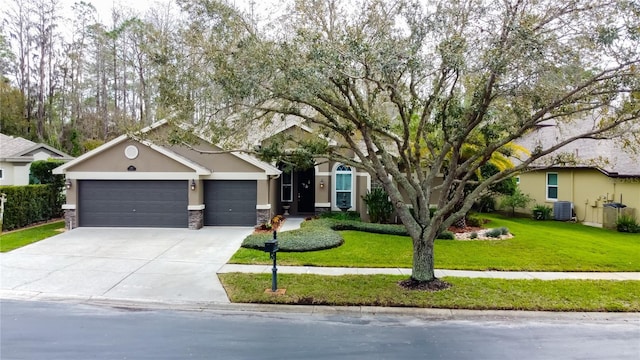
(597, 176)
(16, 156)
(135, 181)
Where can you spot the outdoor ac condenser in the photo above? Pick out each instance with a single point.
(562, 210)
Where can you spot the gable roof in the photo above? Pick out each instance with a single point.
(20, 149)
(199, 169)
(607, 155)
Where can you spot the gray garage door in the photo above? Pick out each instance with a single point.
(133, 203)
(230, 202)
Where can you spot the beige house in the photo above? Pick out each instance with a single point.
(134, 182)
(599, 176)
(16, 156)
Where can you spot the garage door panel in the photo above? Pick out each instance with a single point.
(230, 202)
(133, 203)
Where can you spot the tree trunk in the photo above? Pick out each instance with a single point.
(423, 260)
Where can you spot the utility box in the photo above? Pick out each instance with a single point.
(563, 210)
(610, 215)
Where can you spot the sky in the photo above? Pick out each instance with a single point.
(103, 7)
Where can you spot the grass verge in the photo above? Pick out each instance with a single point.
(479, 294)
(537, 246)
(20, 238)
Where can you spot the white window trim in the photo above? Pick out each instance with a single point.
(557, 186)
(334, 205)
(282, 187)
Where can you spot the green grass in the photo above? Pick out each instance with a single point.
(481, 294)
(20, 238)
(537, 246)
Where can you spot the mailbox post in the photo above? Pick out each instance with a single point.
(271, 246)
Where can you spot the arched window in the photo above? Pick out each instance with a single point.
(343, 190)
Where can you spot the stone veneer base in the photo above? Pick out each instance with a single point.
(196, 219)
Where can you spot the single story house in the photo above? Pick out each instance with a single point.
(134, 181)
(596, 175)
(16, 156)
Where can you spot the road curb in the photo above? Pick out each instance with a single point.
(317, 310)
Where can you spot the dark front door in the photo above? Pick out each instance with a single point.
(305, 183)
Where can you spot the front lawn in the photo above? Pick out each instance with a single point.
(480, 294)
(20, 238)
(537, 246)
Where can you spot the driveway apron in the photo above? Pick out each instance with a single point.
(157, 265)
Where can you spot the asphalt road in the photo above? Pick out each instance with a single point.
(39, 330)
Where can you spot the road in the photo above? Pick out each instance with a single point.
(39, 330)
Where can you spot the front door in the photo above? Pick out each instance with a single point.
(305, 190)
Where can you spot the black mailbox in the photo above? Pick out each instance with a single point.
(271, 246)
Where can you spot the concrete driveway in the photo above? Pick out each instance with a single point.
(155, 265)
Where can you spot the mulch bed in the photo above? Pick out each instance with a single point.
(468, 229)
(434, 285)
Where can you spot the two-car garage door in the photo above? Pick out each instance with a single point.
(164, 203)
(133, 203)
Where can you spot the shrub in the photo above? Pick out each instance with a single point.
(542, 212)
(339, 215)
(494, 233)
(504, 231)
(473, 235)
(446, 235)
(386, 229)
(485, 204)
(41, 172)
(474, 221)
(303, 239)
(378, 204)
(627, 223)
(516, 200)
(30, 204)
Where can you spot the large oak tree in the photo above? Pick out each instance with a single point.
(407, 86)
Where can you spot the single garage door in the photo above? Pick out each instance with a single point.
(133, 203)
(230, 202)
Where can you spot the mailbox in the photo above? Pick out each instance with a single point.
(271, 246)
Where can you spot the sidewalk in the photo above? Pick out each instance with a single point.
(336, 271)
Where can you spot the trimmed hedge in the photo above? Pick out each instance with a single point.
(310, 238)
(30, 204)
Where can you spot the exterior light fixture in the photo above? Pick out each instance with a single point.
(67, 184)
(321, 184)
(193, 185)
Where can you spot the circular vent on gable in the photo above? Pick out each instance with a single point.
(131, 152)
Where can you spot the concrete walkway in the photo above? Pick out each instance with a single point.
(336, 271)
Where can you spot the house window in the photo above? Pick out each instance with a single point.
(552, 186)
(343, 193)
(286, 186)
(1, 174)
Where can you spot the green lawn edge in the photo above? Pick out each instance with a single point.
(17, 239)
(465, 293)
